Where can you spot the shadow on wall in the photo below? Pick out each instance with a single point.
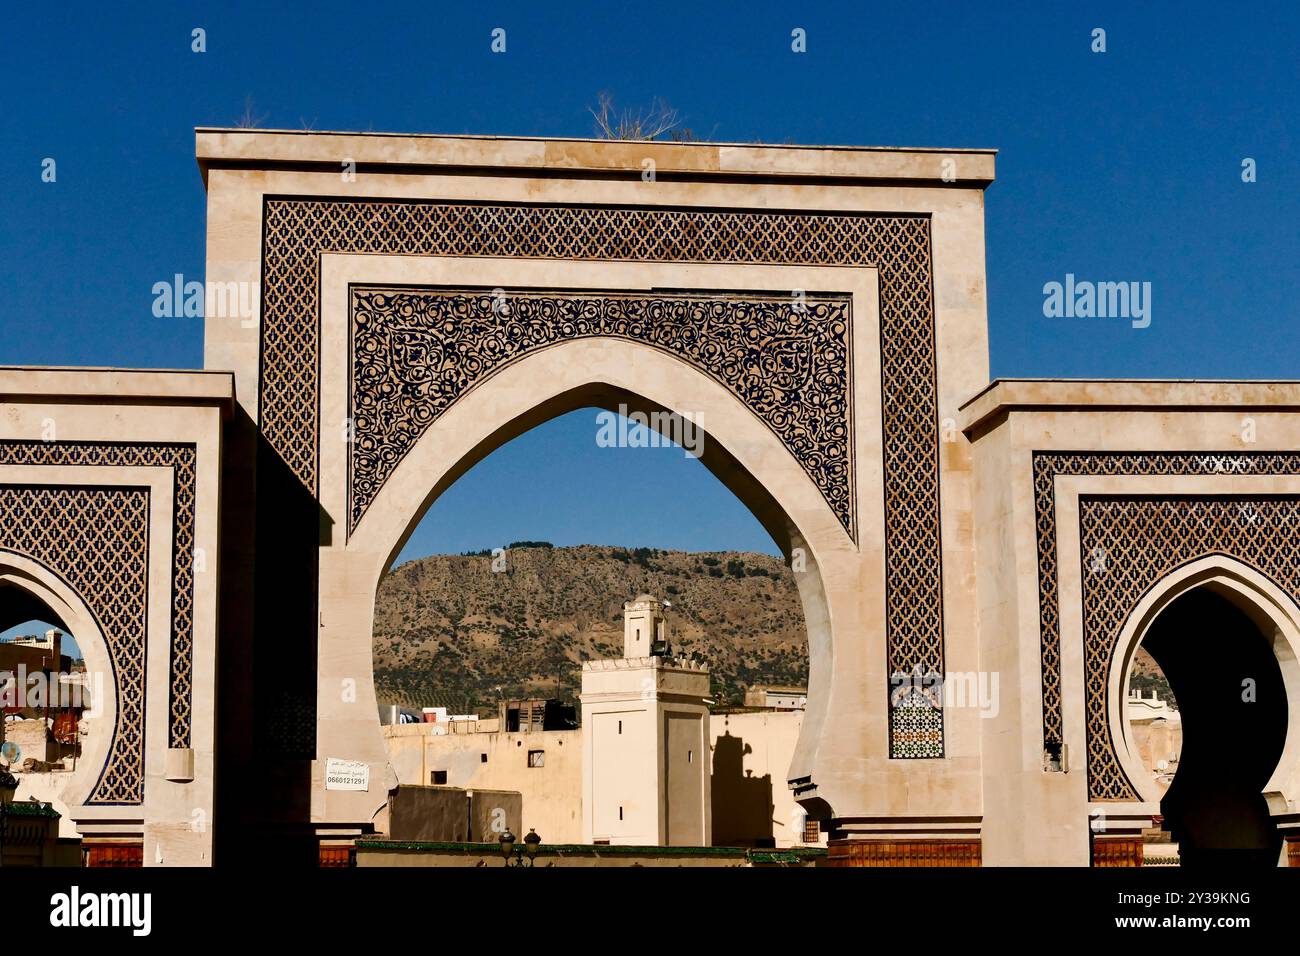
(271, 528)
(742, 803)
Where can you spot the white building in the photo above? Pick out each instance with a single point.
(645, 738)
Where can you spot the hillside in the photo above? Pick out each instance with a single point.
(1147, 676)
(450, 631)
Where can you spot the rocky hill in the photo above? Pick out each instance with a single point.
(451, 631)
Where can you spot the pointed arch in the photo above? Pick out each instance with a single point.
(738, 448)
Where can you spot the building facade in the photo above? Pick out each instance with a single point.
(977, 562)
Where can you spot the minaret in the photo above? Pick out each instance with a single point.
(643, 625)
(645, 738)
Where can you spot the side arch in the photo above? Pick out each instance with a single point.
(1270, 608)
(738, 448)
(34, 585)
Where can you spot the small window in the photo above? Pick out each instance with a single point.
(537, 758)
(438, 778)
(620, 813)
(812, 830)
(482, 758)
(620, 726)
(690, 756)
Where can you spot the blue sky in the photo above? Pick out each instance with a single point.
(1123, 165)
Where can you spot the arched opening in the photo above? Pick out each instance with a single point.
(715, 600)
(1224, 675)
(51, 696)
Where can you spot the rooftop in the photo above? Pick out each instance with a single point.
(217, 147)
(1084, 395)
(20, 383)
(637, 663)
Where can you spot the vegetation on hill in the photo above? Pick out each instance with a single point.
(449, 630)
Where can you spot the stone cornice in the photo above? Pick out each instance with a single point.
(401, 152)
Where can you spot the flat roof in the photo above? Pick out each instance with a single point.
(1086, 395)
(426, 152)
(25, 383)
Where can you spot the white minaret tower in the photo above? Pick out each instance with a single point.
(643, 624)
(645, 738)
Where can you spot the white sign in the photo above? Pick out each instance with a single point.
(346, 774)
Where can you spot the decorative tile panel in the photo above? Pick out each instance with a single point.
(297, 231)
(97, 541)
(416, 351)
(181, 459)
(1128, 544)
(1047, 467)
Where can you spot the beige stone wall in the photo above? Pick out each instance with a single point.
(32, 737)
(552, 793)
(1156, 742)
(751, 754)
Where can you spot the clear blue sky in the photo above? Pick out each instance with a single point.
(1118, 166)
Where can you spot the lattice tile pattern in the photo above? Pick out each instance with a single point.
(1128, 545)
(916, 726)
(416, 351)
(180, 458)
(97, 540)
(1048, 466)
(299, 231)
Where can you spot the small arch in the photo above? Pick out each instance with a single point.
(28, 586)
